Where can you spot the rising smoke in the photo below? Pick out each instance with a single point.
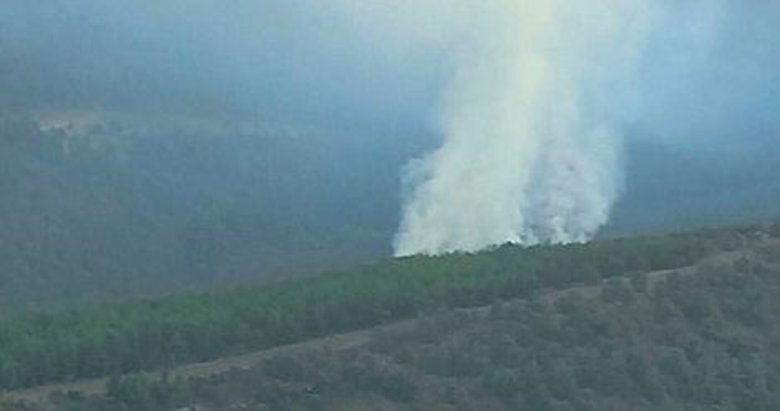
(531, 150)
(537, 93)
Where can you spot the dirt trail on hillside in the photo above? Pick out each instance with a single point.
(97, 386)
(338, 342)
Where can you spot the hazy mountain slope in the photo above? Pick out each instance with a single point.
(114, 210)
(106, 208)
(669, 188)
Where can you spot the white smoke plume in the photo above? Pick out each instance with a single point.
(531, 149)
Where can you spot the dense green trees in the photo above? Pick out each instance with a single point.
(695, 339)
(39, 347)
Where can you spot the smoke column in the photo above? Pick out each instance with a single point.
(531, 149)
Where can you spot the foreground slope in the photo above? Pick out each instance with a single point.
(40, 347)
(701, 337)
(159, 334)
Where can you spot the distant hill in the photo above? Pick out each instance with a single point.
(671, 187)
(112, 210)
(100, 209)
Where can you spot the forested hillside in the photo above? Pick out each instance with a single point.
(389, 205)
(699, 337)
(41, 347)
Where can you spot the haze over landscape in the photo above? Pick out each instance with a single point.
(532, 102)
(182, 151)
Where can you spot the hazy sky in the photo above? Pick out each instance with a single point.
(711, 70)
(273, 58)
